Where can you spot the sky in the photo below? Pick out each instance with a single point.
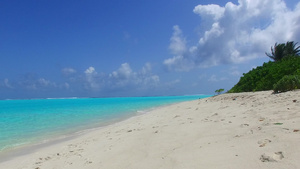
(124, 48)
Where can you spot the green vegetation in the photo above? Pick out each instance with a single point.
(219, 91)
(281, 75)
(287, 83)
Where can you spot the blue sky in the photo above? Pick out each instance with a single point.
(136, 48)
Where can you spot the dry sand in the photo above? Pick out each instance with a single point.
(229, 131)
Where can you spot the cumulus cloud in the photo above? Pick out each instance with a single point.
(40, 83)
(92, 79)
(214, 11)
(178, 43)
(90, 70)
(124, 72)
(181, 59)
(235, 33)
(179, 63)
(33, 86)
(32, 82)
(44, 82)
(125, 77)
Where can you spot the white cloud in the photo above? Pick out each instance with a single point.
(125, 76)
(92, 79)
(124, 72)
(68, 71)
(122, 80)
(179, 63)
(214, 32)
(212, 10)
(44, 82)
(236, 33)
(31, 82)
(179, 49)
(178, 43)
(90, 70)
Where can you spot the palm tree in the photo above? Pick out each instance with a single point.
(284, 50)
(291, 49)
(277, 53)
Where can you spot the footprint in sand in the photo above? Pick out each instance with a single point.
(244, 125)
(215, 114)
(275, 157)
(263, 143)
(87, 161)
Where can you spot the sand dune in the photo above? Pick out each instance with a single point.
(232, 131)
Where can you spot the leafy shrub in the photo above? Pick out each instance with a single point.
(287, 83)
(264, 77)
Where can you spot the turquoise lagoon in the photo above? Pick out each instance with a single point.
(25, 122)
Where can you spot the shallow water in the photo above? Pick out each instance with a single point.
(25, 122)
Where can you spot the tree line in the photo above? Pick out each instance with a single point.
(280, 75)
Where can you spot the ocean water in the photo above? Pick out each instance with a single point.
(24, 122)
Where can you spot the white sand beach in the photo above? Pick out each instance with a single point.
(231, 131)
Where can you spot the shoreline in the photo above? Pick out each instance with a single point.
(239, 130)
(28, 148)
(15, 129)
